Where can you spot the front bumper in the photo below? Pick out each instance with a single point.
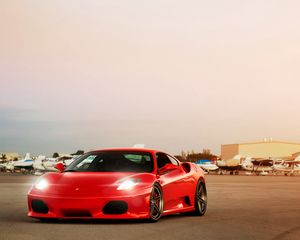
(61, 207)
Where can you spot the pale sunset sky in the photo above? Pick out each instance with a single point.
(174, 75)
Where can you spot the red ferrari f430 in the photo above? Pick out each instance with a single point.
(129, 183)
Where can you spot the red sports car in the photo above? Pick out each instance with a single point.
(126, 183)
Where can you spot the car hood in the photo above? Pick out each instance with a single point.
(93, 184)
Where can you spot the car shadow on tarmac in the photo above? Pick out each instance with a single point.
(104, 221)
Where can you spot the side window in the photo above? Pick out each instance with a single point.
(162, 159)
(173, 160)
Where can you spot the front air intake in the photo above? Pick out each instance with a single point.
(74, 213)
(39, 206)
(115, 207)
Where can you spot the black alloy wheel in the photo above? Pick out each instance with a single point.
(200, 199)
(156, 203)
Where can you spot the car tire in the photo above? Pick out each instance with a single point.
(156, 203)
(200, 199)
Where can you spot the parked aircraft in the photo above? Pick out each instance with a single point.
(37, 165)
(233, 165)
(207, 165)
(288, 167)
(260, 166)
(43, 164)
(25, 164)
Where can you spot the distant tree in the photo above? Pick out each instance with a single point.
(180, 158)
(3, 156)
(55, 155)
(205, 154)
(192, 156)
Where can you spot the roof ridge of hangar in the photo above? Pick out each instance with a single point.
(258, 142)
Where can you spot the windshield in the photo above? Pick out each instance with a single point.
(113, 161)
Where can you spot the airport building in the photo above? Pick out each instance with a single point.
(263, 149)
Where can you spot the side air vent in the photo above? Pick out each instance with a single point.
(187, 201)
(186, 166)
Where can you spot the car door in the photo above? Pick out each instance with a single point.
(171, 181)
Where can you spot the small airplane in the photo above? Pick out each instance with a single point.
(288, 167)
(37, 165)
(233, 165)
(207, 165)
(9, 166)
(25, 165)
(43, 164)
(260, 166)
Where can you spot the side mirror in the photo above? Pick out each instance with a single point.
(60, 167)
(168, 167)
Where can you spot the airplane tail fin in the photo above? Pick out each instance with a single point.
(27, 156)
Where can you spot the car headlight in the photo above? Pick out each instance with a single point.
(42, 184)
(128, 184)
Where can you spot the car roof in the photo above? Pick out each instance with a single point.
(127, 149)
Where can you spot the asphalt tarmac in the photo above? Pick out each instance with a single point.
(239, 207)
